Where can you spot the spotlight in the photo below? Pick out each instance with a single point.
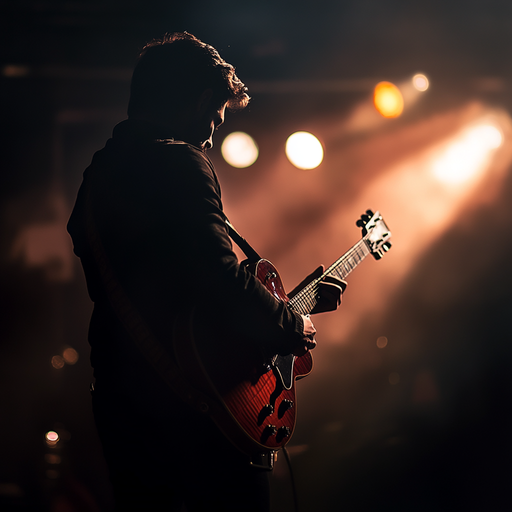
(239, 150)
(388, 99)
(420, 82)
(304, 150)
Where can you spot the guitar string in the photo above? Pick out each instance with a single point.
(307, 298)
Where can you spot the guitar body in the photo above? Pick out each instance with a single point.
(251, 400)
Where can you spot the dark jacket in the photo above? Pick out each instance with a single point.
(156, 207)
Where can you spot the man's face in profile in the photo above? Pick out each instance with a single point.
(207, 124)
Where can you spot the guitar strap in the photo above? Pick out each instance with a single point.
(252, 255)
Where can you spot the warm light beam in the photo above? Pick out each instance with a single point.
(464, 158)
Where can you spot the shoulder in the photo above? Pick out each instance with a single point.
(187, 160)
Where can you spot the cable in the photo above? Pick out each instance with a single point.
(292, 479)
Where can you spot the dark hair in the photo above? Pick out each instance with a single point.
(176, 69)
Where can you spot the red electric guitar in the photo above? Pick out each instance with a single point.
(253, 400)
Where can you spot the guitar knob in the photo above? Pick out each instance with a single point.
(268, 431)
(270, 275)
(284, 406)
(266, 410)
(282, 433)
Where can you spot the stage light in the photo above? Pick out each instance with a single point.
(70, 355)
(239, 150)
(420, 82)
(304, 150)
(388, 99)
(467, 155)
(52, 438)
(58, 362)
(52, 458)
(382, 342)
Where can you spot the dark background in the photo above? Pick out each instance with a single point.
(421, 424)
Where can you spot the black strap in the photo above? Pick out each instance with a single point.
(252, 255)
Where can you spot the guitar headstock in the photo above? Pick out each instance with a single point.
(376, 232)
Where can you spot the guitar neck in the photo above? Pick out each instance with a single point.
(305, 300)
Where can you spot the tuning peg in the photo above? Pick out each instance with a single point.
(365, 218)
(360, 223)
(369, 212)
(386, 246)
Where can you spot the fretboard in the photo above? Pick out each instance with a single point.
(305, 300)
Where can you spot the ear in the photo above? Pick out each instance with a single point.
(204, 101)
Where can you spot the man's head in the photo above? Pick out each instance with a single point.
(179, 78)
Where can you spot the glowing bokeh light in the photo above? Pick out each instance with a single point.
(239, 150)
(382, 342)
(58, 362)
(52, 438)
(420, 82)
(465, 157)
(388, 99)
(70, 355)
(52, 458)
(304, 150)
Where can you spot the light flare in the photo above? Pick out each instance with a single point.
(58, 362)
(467, 156)
(388, 99)
(420, 82)
(239, 150)
(70, 355)
(304, 150)
(52, 438)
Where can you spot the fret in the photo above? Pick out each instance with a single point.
(306, 299)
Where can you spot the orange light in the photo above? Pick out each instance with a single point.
(388, 99)
(70, 355)
(52, 458)
(58, 362)
(382, 342)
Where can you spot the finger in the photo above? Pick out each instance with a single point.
(311, 344)
(330, 293)
(333, 280)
